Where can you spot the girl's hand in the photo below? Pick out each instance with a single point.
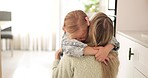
(58, 53)
(102, 54)
(106, 60)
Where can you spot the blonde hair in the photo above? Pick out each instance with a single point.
(111, 70)
(100, 33)
(101, 30)
(74, 20)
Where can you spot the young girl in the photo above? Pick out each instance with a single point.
(76, 25)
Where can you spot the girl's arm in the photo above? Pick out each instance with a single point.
(72, 47)
(76, 48)
(104, 51)
(115, 43)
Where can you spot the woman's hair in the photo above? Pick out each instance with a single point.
(101, 30)
(74, 20)
(100, 33)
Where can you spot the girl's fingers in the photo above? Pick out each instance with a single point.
(97, 54)
(107, 59)
(102, 60)
(99, 59)
(105, 62)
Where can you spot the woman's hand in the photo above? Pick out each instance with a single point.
(58, 53)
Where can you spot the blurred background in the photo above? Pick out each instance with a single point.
(34, 33)
(36, 24)
(31, 32)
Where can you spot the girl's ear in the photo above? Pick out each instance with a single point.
(87, 20)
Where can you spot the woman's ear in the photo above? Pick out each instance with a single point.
(87, 20)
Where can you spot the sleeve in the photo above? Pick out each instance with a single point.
(55, 70)
(115, 43)
(72, 47)
(62, 69)
(55, 64)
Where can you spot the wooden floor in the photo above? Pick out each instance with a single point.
(27, 64)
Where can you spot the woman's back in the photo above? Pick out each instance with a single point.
(79, 67)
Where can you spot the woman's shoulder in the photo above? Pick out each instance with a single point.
(77, 60)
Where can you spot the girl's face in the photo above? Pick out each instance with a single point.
(80, 35)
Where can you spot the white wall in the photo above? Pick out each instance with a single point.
(104, 7)
(6, 5)
(132, 15)
(33, 16)
(38, 17)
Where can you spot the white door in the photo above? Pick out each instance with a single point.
(136, 65)
(126, 65)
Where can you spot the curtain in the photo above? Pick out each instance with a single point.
(35, 25)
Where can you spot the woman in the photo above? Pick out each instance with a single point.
(100, 33)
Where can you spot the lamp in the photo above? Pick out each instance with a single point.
(5, 16)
